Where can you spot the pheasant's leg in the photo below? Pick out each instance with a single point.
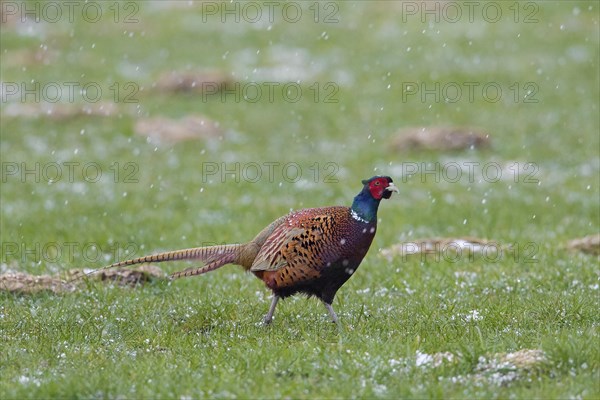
(332, 313)
(269, 316)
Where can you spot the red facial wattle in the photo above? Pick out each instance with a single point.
(382, 188)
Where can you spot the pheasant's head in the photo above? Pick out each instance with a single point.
(380, 187)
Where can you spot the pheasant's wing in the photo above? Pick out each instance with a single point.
(297, 246)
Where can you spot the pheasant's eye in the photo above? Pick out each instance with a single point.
(377, 183)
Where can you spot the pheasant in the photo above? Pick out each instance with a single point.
(312, 251)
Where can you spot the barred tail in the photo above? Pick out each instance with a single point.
(225, 259)
(213, 256)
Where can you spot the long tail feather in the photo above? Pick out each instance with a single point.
(204, 269)
(213, 256)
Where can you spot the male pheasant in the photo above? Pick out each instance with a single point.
(312, 251)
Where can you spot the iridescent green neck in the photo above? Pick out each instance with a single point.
(365, 206)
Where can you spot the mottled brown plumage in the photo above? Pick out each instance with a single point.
(312, 251)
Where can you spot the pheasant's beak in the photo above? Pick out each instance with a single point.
(392, 188)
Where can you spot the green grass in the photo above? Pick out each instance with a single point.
(201, 337)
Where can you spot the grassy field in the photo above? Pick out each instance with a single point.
(414, 326)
